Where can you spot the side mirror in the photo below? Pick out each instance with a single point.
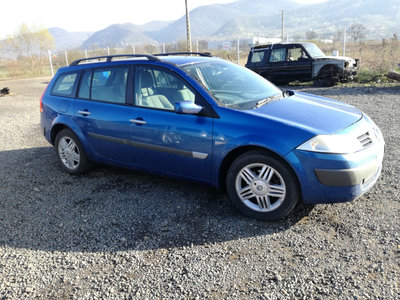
(187, 107)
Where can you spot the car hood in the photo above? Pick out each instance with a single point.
(338, 58)
(316, 115)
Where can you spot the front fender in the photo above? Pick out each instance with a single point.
(223, 150)
(319, 65)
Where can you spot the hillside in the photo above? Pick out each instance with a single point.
(64, 40)
(248, 18)
(207, 20)
(324, 18)
(117, 35)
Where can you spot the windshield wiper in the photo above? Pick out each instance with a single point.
(266, 100)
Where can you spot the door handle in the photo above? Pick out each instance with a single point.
(138, 121)
(84, 112)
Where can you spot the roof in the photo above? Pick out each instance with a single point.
(280, 44)
(184, 60)
(181, 58)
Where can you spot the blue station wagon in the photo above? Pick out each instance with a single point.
(198, 117)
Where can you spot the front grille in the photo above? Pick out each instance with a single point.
(365, 140)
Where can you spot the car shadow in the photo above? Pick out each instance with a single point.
(113, 209)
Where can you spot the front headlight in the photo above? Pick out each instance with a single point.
(338, 144)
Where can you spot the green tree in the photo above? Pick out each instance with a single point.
(30, 46)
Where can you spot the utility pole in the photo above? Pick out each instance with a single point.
(283, 26)
(344, 42)
(66, 58)
(189, 38)
(50, 62)
(238, 50)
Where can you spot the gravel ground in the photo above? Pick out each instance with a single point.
(120, 234)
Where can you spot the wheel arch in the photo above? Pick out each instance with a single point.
(56, 129)
(61, 122)
(235, 153)
(329, 69)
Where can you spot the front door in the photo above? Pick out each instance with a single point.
(299, 64)
(162, 140)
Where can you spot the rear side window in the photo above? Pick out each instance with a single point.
(64, 85)
(84, 89)
(257, 56)
(278, 55)
(109, 84)
(105, 84)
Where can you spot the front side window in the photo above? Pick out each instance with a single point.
(297, 54)
(278, 55)
(64, 85)
(106, 84)
(159, 88)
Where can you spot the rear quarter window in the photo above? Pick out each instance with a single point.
(257, 56)
(64, 85)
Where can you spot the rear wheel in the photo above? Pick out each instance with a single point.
(70, 153)
(261, 186)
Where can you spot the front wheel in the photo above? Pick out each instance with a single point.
(70, 153)
(261, 186)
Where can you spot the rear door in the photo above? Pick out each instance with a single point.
(278, 67)
(102, 112)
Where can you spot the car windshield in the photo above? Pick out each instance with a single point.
(231, 85)
(313, 50)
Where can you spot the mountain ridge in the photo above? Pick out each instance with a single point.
(248, 18)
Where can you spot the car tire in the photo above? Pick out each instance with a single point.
(325, 81)
(71, 154)
(261, 186)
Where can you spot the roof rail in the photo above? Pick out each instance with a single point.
(207, 54)
(109, 58)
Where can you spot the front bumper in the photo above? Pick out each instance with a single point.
(347, 177)
(350, 71)
(332, 178)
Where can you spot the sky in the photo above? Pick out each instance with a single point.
(90, 15)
